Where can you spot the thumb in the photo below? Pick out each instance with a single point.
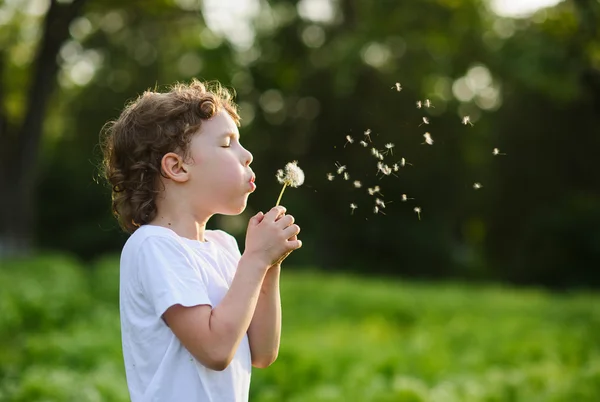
(256, 219)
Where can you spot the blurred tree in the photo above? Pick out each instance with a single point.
(20, 138)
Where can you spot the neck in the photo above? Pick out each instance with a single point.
(182, 222)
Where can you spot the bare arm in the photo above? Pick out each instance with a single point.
(265, 329)
(212, 335)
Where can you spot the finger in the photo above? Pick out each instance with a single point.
(274, 213)
(291, 231)
(256, 219)
(285, 221)
(295, 244)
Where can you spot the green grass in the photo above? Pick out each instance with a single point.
(344, 339)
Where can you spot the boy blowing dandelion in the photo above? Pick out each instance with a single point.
(196, 314)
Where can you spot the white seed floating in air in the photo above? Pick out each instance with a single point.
(428, 139)
(346, 176)
(477, 186)
(389, 147)
(395, 167)
(330, 177)
(467, 120)
(397, 86)
(428, 103)
(353, 207)
(403, 162)
(364, 144)
(376, 190)
(340, 168)
(376, 210)
(368, 134)
(357, 184)
(371, 191)
(497, 152)
(418, 211)
(425, 121)
(419, 104)
(405, 198)
(349, 140)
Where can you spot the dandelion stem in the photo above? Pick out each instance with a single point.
(281, 194)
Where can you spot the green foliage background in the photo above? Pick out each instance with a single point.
(344, 338)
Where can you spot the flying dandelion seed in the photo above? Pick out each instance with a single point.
(368, 134)
(346, 176)
(293, 176)
(379, 168)
(371, 191)
(376, 190)
(425, 121)
(389, 147)
(428, 139)
(376, 210)
(477, 186)
(357, 184)
(349, 140)
(406, 198)
(497, 152)
(364, 144)
(380, 202)
(380, 157)
(428, 104)
(330, 176)
(467, 120)
(397, 86)
(418, 211)
(353, 207)
(403, 162)
(395, 167)
(419, 104)
(340, 168)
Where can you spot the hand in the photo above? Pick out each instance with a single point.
(272, 237)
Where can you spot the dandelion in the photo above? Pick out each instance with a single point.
(405, 198)
(397, 86)
(389, 147)
(368, 134)
(330, 176)
(340, 168)
(357, 184)
(349, 140)
(293, 176)
(467, 120)
(425, 121)
(497, 152)
(428, 139)
(346, 176)
(353, 207)
(364, 144)
(418, 211)
(419, 104)
(477, 186)
(428, 104)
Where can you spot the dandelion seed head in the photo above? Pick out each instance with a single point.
(293, 176)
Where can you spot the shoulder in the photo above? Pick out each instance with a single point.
(223, 239)
(150, 240)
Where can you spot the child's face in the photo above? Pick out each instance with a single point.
(220, 174)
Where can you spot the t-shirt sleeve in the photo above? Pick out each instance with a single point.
(168, 276)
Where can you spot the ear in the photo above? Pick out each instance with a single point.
(173, 167)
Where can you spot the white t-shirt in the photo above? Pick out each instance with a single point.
(158, 270)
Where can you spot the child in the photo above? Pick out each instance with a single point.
(195, 314)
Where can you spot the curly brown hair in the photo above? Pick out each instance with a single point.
(149, 127)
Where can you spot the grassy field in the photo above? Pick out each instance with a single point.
(344, 339)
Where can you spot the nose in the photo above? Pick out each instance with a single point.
(248, 158)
